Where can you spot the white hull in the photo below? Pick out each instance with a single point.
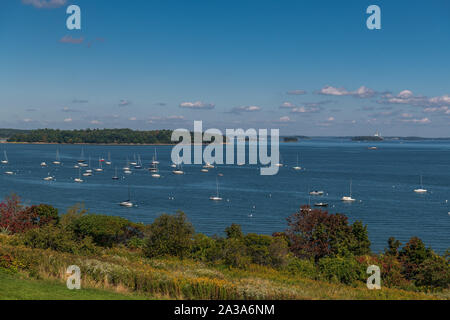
(420, 191)
(348, 199)
(179, 172)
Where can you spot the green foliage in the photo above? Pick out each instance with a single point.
(205, 248)
(45, 214)
(234, 231)
(235, 253)
(105, 230)
(57, 239)
(412, 255)
(169, 235)
(434, 272)
(341, 269)
(302, 267)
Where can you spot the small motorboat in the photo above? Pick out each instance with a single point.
(321, 204)
(317, 193)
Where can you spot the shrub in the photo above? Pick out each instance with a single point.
(434, 272)
(278, 252)
(302, 267)
(169, 235)
(13, 216)
(57, 239)
(235, 253)
(205, 248)
(44, 214)
(339, 269)
(105, 230)
(257, 247)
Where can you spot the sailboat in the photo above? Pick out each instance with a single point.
(108, 162)
(89, 170)
(43, 164)
(57, 161)
(127, 203)
(5, 158)
(99, 169)
(297, 167)
(138, 163)
(78, 180)
(155, 172)
(216, 197)
(279, 164)
(421, 189)
(115, 177)
(48, 178)
(178, 169)
(81, 160)
(155, 159)
(208, 166)
(134, 163)
(349, 198)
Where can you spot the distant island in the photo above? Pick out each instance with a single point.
(91, 136)
(294, 138)
(367, 138)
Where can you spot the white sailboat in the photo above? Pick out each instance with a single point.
(48, 178)
(89, 166)
(349, 198)
(100, 168)
(421, 189)
(108, 162)
(155, 159)
(279, 165)
(9, 173)
(127, 203)
(297, 167)
(138, 163)
(208, 166)
(134, 163)
(78, 180)
(5, 158)
(178, 169)
(216, 197)
(43, 164)
(57, 161)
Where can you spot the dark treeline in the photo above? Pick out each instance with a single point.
(97, 136)
(7, 133)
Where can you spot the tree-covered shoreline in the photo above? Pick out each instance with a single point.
(93, 136)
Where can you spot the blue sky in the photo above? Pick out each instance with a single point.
(306, 67)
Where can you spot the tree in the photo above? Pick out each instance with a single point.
(169, 235)
(412, 255)
(317, 234)
(234, 231)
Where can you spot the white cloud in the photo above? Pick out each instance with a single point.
(362, 92)
(68, 120)
(132, 119)
(95, 122)
(287, 105)
(285, 119)
(305, 110)
(197, 105)
(47, 4)
(245, 109)
(422, 121)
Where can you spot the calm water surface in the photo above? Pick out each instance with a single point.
(383, 184)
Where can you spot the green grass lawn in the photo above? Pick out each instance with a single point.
(17, 287)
